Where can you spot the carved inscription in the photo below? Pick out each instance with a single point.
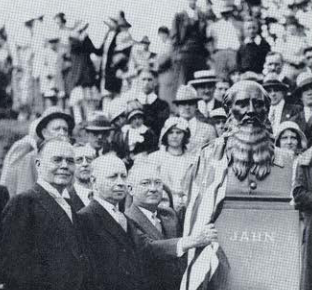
(252, 237)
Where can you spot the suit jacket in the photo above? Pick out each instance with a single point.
(113, 252)
(306, 127)
(159, 250)
(203, 135)
(74, 200)
(40, 247)
(201, 116)
(291, 112)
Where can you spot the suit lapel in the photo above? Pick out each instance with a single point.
(74, 200)
(60, 218)
(110, 225)
(143, 222)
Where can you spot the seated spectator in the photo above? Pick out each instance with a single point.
(290, 137)
(98, 135)
(251, 54)
(139, 139)
(201, 133)
(219, 118)
(280, 111)
(204, 83)
(172, 158)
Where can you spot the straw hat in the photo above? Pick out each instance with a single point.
(98, 124)
(203, 77)
(186, 94)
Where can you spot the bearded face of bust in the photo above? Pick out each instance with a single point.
(250, 144)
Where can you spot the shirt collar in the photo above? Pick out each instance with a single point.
(52, 190)
(83, 193)
(257, 40)
(280, 105)
(146, 99)
(107, 205)
(150, 215)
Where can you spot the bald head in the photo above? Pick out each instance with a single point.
(109, 178)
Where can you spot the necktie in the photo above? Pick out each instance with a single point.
(97, 152)
(90, 195)
(157, 222)
(121, 219)
(272, 118)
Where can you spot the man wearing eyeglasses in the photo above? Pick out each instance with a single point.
(80, 193)
(159, 230)
(41, 246)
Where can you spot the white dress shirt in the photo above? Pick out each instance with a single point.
(206, 107)
(307, 113)
(277, 112)
(193, 125)
(57, 197)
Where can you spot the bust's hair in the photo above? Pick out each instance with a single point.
(243, 86)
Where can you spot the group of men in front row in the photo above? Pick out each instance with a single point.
(72, 235)
(47, 244)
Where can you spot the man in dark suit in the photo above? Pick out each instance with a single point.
(280, 110)
(110, 235)
(80, 193)
(162, 249)
(40, 244)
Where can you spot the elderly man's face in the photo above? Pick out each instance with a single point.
(187, 110)
(83, 158)
(274, 64)
(147, 189)
(55, 128)
(110, 181)
(248, 106)
(56, 164)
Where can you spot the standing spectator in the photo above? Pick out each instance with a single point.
(304, 91)
(291, 45)
(111, 236)
(225, 37)
(280, 111)
(173, 150)
(205, 83)
(98, 135)
(139, 138)
(218, 117)
(251, 54)
(80, 192)
(290, 137)
(188, 36)
(156, 111)
(41, 246)
(80, 80)
(222, 85)
(274, 63)
(308, 58)
(201, 133)
(22, 174)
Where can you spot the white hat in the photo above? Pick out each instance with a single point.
(176, 122)
(219, 112)
(186, 93)
(203, 76)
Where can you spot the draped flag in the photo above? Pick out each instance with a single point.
(208, 267)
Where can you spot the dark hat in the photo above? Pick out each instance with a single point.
(273, 81)
(53, 113)
(145, 40)
(122, 22)
(292, 20)
(99, 123)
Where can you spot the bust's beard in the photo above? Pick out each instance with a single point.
(250, 148)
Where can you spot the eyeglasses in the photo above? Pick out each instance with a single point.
(58, 160)
(80, 159)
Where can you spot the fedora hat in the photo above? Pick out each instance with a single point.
(271, 81)
(186, 94)
(53, 113)
(203, 77)
(304, 79)
(98, 124)
(218, 113)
